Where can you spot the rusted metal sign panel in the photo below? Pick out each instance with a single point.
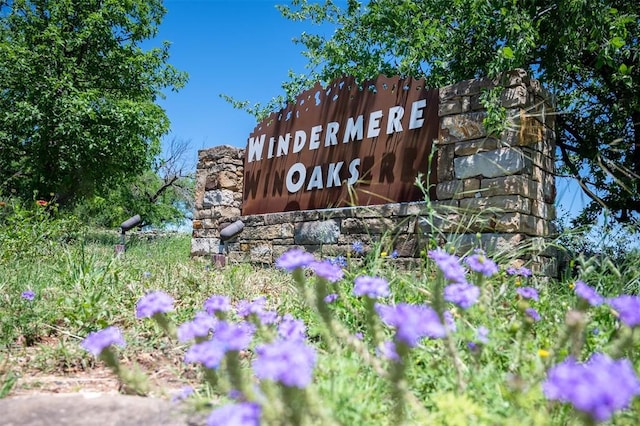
(346, 144)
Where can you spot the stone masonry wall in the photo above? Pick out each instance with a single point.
(499, 189)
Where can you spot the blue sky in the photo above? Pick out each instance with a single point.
(242, 48)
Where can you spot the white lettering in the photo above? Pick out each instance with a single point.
(272, 142)
(301, 170)
(315, 182)
(299, 140)
(283, 145)
(416, 119)
(314, 141)
(373, 130)
(333, 175)
(353, 171)
(395, 115)
(353, 130)
(331, 138)
(256, 145)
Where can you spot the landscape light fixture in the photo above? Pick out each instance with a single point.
(226, 234)
(132, 222)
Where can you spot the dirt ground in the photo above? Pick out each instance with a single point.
(167, 374)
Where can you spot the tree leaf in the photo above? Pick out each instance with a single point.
(507, 52)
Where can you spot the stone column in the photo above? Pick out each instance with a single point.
(218, 196)
(507, 180)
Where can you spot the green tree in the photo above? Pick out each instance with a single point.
(584, 51)
(161, 195)
(78, 94)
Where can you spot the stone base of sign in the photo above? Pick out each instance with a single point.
(493, 191)
(396, 232)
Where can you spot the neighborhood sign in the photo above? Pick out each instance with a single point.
(341, 145)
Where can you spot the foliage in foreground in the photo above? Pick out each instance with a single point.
(335, 341)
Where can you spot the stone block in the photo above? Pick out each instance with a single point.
(464, 88)
(269, 232)
(491, 242)
(204, 246)
(218, 197)
(549, 189)
(407, 245)
(537, 174)
(445, 156)
(447, 190)
(462, 127)
(228, 179)
(261, 253)
(516, 96)
(225, 212)
(500, 162)
(501, 203)
(202, 214)
(210, 223)
(219, 152)
(522, 223)
(505, 185)
(367, 226)
(317, 232)
(448, 107)
(515, 77)
(476, 146)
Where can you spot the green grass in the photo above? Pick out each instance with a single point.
(81, 287)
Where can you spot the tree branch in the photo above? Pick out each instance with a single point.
(576, 175)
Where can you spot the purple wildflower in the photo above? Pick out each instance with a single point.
(200, 326)
(327, 270)
(528, 293)
(450, 266)
(330, 298)
(588, 293)
(288, 362)
(245, 308)
(240, 414)
(256, 309)
(533, 314)
(209, 353)
(598, 387)
(478, 262)
(28, 295)
(233, 337)
(412, 322)
(628, 307)
(387, 350)
(522, 271)
(217, 303)
(372, 287)
(449, 322)
(482, 334)
(463, 295)
(394, 254)
(156, 302)
(98, 341)
(357, 247)
(291, 328)
(182, 394)
(294, 259)
(339, 260)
